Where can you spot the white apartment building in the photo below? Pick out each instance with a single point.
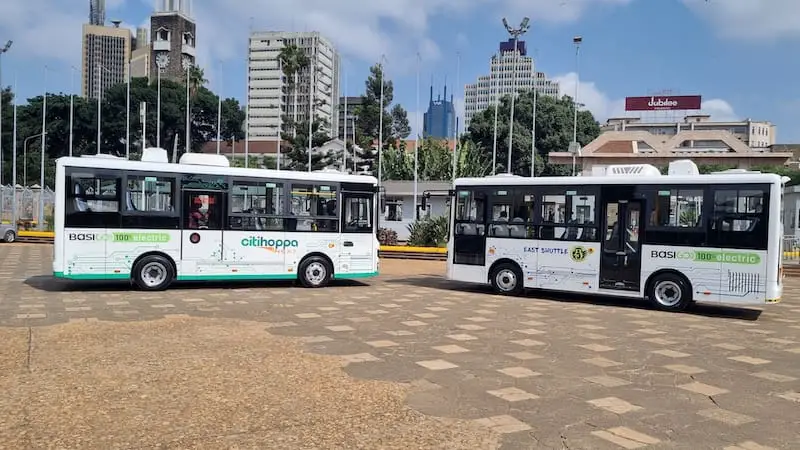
(268, 92)
(501, 81)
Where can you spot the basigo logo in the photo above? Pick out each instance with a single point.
(660, 103)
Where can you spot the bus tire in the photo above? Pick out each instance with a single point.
(669, 292)
(507, 279)
(10, 236)
(315, 272)
(153, 273)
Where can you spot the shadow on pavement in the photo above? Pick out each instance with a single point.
(699, 309)
(51, 284)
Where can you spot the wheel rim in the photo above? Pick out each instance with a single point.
(154, 274)
(668, 293)
(316, 273)
(10, 236)
(506, 280)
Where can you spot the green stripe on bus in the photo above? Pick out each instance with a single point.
(229, 276)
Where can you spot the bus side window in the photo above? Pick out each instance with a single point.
(740, 218)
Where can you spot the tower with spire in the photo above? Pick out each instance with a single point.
(440, 120)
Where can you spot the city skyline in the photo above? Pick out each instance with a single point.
(715, 34)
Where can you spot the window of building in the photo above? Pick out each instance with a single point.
(740, 217)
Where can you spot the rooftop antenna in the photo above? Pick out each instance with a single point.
(116, 23)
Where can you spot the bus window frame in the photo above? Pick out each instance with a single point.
(113, 219)
(669, 235)
(285, 201)
(745, 240)
(166, 220)
(581, 190)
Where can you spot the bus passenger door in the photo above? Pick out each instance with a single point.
(357, 246)
(621, 251)
(203, 218)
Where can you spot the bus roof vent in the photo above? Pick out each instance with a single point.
(683, 167)
(102, 156)
(638, 170)
(155, 154)
(202, 159)
(735, 172)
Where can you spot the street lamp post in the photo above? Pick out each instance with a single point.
(100, 69)
(577, 40)
(72, 109)
(161, 63)
(3, 50)
(515, 33)
(25, 156)
(40, 221)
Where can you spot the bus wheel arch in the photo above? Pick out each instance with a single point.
(315, 270)
(669, 290)
(506, 277)
(153, 271)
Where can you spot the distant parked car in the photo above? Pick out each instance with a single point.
(8, 232)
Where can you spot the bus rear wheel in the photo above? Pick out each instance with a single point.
(670, 292)
(153, 273)
(315, 272)
(507, 279)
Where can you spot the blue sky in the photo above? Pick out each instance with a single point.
(740, 55)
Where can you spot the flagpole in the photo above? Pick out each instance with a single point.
(455, 125)
(219, 110)
(416, 145)
(380, 130)
(247, 105)
(496, 110)
(14, 160)
(40, 219)
(72, 109)
(311, 89)
(344, 157)
(280, 118)
(188, 113)
(128, 116)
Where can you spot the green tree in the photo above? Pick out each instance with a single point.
(203, 120)
(435, 162)
(296, 149)
(554, 125)
(395, 121)
(471, 161)
(293, 61)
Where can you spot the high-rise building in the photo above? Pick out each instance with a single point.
(172, 39)
(140, 56)
(97, 12)
(349, 113)
(269, 95)
(440, 120)
(105, 55)
(480, 95)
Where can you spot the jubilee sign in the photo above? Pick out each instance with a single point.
(663, 102)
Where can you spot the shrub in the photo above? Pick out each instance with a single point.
(387, 236)
(428, 232)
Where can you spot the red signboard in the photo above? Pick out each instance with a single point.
(662, 102)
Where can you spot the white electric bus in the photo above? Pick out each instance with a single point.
(153, 222)
(625, 231)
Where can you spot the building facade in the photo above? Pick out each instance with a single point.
(501, 81)
(97, 12)
(104, 57)
(347, 111)
(269, 95)
(440, 120)
(754, 134)
(726, 144)
(140, 56)
(173, 40)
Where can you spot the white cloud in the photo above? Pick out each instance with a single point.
(554, 11)
(604, 107)
(750, 19)
(595, 100)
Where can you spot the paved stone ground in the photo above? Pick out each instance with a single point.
(562, 372)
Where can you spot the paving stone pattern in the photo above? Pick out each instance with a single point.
(544, 371)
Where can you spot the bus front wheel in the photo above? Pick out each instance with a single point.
(507, 279)
(315, 272)
(670, 292)
(153, 273)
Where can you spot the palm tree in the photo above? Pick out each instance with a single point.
(293, 60)
(197, 79)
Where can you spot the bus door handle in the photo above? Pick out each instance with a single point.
(347, 243)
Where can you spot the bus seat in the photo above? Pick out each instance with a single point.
(80, 202)
(517, 231)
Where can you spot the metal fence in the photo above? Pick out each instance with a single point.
(30, 201)
(791, 248)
